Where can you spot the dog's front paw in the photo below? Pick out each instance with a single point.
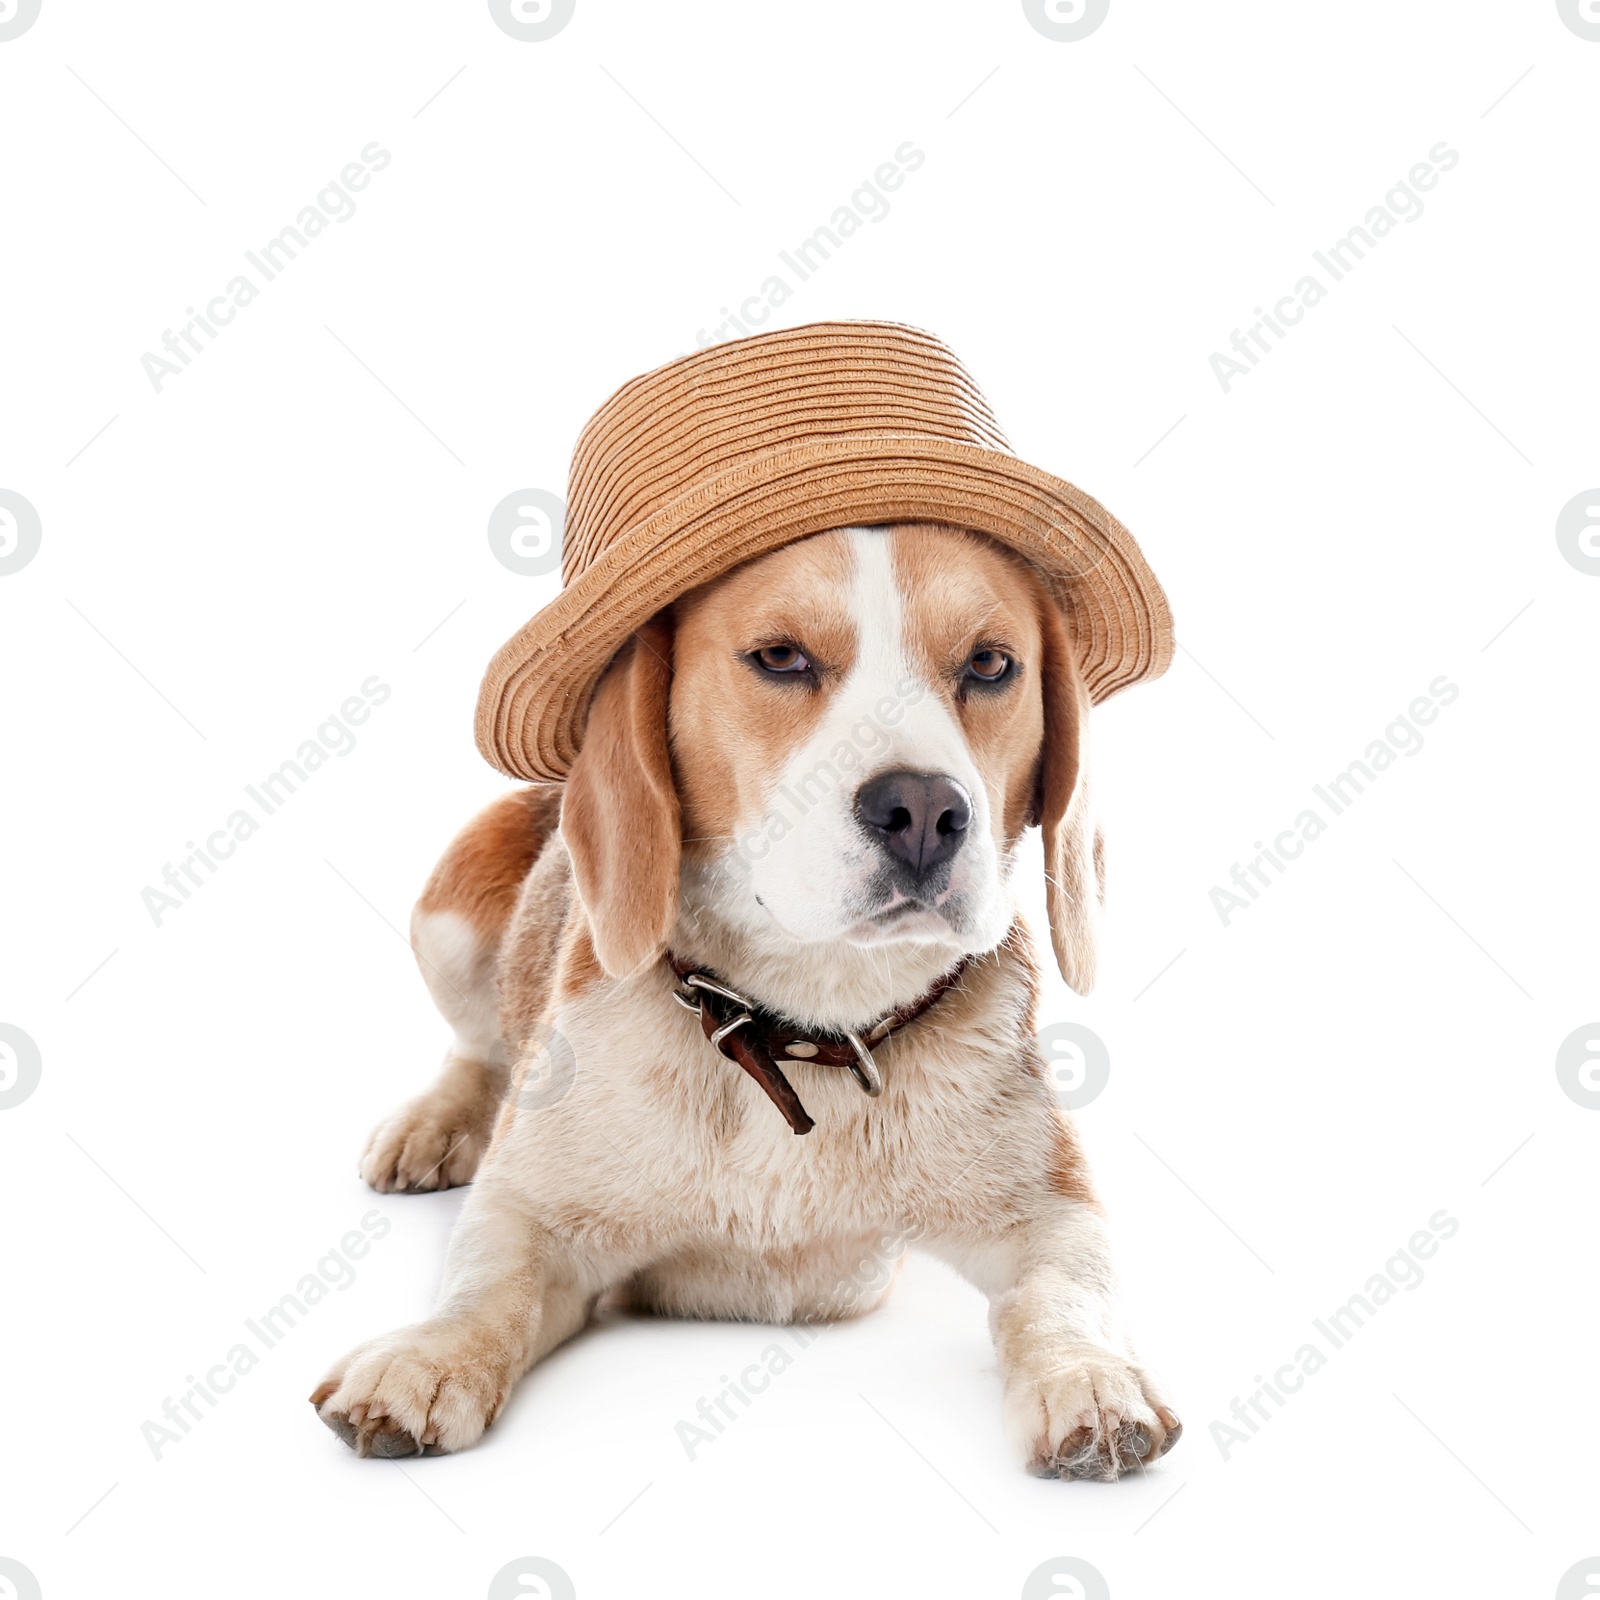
(1095, 1414)
(433, 1142)
(425, 1390)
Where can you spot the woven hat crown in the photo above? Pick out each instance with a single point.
(725, 455)
(702, 415)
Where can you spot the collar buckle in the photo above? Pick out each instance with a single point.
(864, 1069)
(723, 1012)
(697, 1004)
(699, 980)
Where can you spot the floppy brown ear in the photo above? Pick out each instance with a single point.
(1074, 858)
(619, 815)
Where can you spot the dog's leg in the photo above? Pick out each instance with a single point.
(510, 1296)
(436, 1140)
(1077, 1403)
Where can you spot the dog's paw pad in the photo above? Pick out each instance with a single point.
(426, 1390)
(422, 1147)
(379, 1437)
(1097, 1416)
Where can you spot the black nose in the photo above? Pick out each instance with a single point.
(919, 817)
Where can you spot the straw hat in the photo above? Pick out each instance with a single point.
(726, 454)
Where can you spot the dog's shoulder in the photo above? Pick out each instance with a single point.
(542, 932)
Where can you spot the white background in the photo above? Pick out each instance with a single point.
(1290, 1099)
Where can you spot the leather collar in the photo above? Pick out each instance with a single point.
(757, 1039)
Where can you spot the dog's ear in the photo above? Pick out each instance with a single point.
(1074, 860)
(619, 815)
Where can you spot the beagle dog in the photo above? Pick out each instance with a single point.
(773, 897)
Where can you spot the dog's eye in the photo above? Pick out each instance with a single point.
(989, 666)
(781, 658)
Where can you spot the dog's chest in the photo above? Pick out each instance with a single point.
(917, 1156)
(659, 1124)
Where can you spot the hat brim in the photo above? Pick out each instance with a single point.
(535, 695)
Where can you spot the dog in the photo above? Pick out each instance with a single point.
(804, 785)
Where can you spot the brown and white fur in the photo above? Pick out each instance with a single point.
(712, 812)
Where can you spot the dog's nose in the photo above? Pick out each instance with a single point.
(919, 817)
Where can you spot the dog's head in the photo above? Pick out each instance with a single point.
(845, 740)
